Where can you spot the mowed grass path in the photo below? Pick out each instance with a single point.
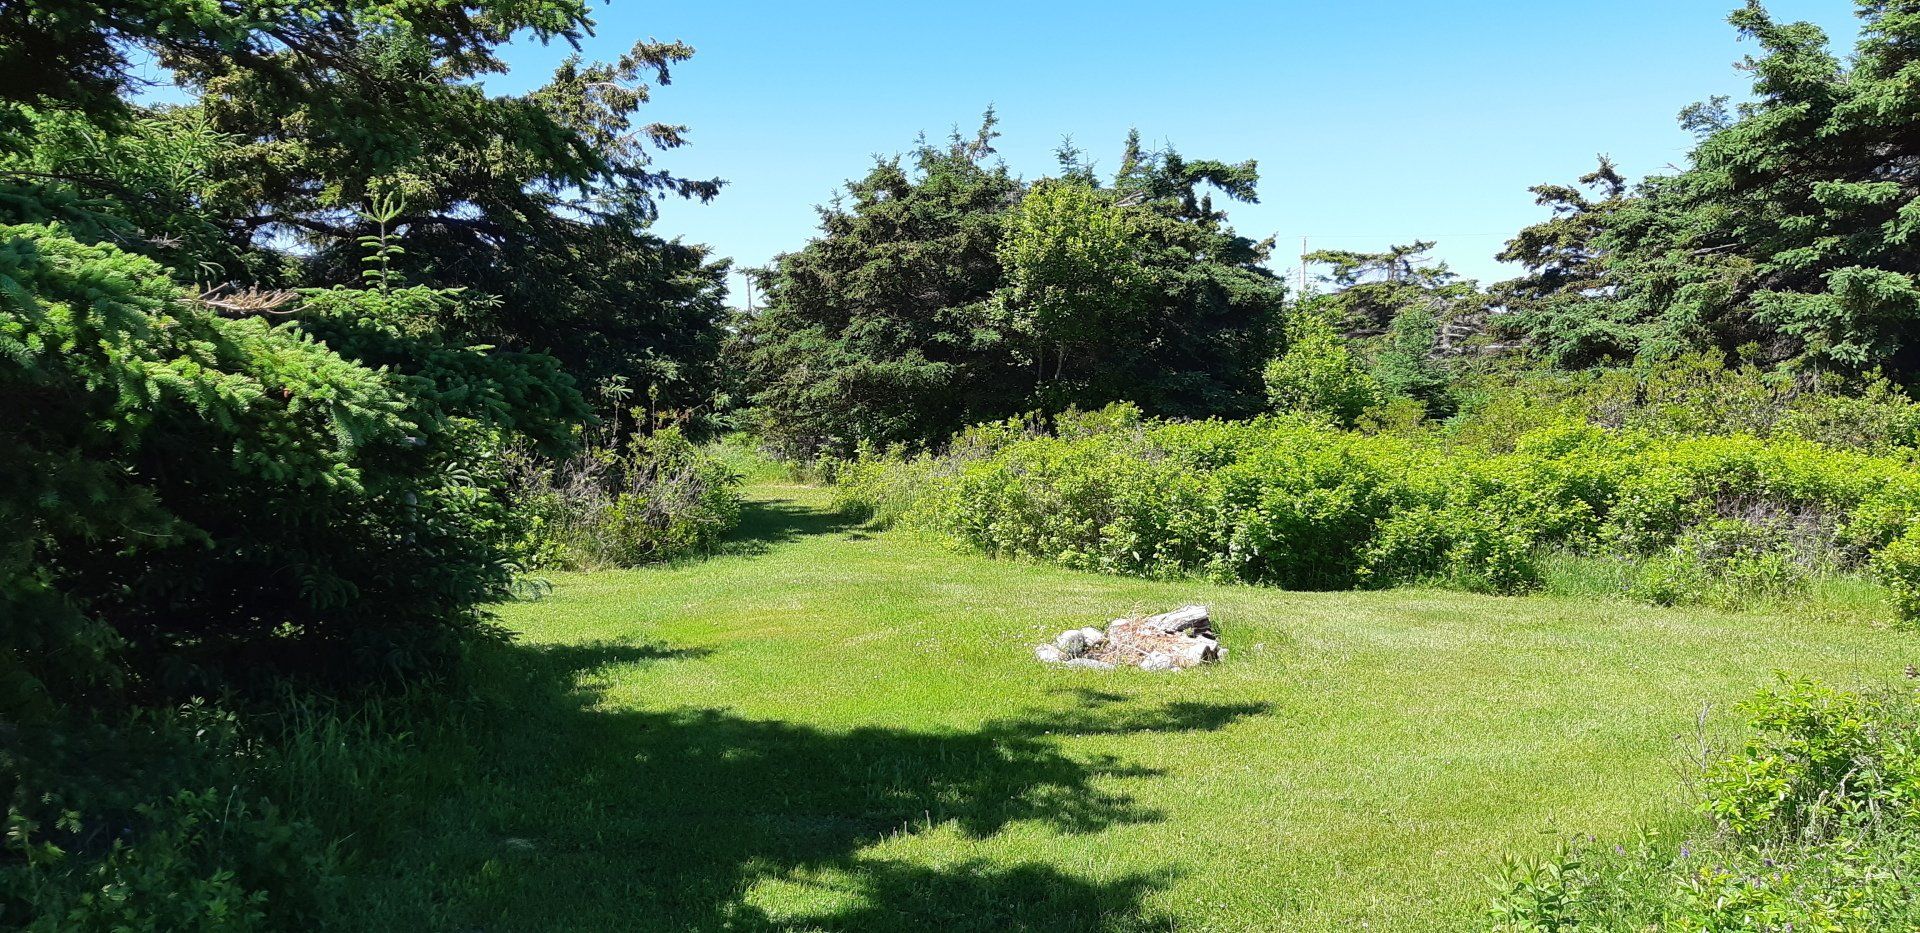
(837, 730)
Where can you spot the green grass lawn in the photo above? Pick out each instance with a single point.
(840, 730)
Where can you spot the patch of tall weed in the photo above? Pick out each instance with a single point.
(1810, 824)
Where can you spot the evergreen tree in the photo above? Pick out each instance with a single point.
(1787, 239)
(542, 200)
(951, 293)
(1564, 306)
(881, 329)
(1403, 313)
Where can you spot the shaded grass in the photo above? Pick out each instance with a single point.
(834, 730)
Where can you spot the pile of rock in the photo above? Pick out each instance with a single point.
(1170, 641)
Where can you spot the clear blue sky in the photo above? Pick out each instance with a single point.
(1373, 120)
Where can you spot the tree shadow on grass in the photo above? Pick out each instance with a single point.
(767, 523)
(586, 817)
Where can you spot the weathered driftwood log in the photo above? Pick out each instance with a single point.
(1190, 619)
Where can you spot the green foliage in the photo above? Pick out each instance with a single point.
(1404, 363)
(1287, 505)
(1789, 231)
(224, 495)
(1728, 563)
(1403, 316)
(1818, 760)
(623, 503)
(1727, 521)
(1693, 394)
(881, 489)
(946, 292)
(159, 883)
(204, 817)
(1318, 375)
(743, 455)
(1072, 260)
(881, 329)
(301, 121)
(1898, 564)
(156, 824)
(1816, 830)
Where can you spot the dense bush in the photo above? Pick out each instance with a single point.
(1811, 826)
(206, 499)
(1721, 520)
(884, 487)
(1693, 394)
(218, 491)
(626, 502)
(1899, 565)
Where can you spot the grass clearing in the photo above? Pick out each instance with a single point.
(834, 729)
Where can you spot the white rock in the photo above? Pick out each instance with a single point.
(1072, 642)
(1089, 664)
(1095, 637)
(1188, 618)
(1157, 661)
(1049, 654)
(1197, 651)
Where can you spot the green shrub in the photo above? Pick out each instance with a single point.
(160, 822)
(1813, 826)
(221, 817)
(1899, 565)
(624, 503)
(882, 489)
(1816, 761)
(1692, 395)
(1725, 563)
(1318, 375)
(745, 457)
(1718, 520)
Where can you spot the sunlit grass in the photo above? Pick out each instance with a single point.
(841, 730)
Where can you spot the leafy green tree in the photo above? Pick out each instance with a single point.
(1319, 376)
(1074, 278)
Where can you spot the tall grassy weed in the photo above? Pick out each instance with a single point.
(1810, 824)
(204, 818)
(622, 503)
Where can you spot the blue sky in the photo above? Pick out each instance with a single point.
(1373, 121)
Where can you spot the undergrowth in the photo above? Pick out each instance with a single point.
(1810, 824)
(1729, 521)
